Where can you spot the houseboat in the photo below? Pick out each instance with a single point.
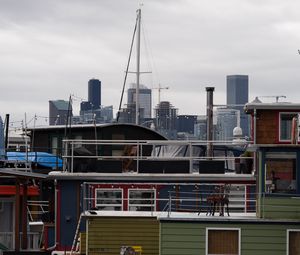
(135, 174)
(272, 228)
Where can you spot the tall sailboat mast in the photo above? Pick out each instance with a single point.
(138, 50)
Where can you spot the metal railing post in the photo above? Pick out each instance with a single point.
(191, 157)
(65, 160)
(137, 156)
(263, 204)
(84, 197)
(245, 199)
(170, 204)
(72, 157)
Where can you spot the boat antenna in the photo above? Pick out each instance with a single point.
(127, 67)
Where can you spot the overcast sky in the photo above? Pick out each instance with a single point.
(51, 48)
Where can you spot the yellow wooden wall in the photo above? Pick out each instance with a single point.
(106, 235)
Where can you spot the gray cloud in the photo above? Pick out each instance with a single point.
(51, 48)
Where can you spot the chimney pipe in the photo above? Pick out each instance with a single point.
(209, 116)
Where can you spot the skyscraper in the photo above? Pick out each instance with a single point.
(237, 96)
(58, 112)
(94, 93)
(166, 115)
(226, 122)
(145, 99)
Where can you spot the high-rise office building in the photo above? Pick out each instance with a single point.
(226, 122)
(237, 96)
(145, 101)
(94, 93)
(200, 128)
(186, 123)
(59, 111)
(166, 116)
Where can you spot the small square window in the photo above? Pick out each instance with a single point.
(223, 241)
(109, 199)
(141, 200)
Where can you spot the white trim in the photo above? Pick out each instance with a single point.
(215, 228)
(288, 237)
(110, 190)
(142, 205)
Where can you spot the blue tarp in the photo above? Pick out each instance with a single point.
(42, 158)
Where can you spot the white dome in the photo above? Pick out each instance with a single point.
(237, 132)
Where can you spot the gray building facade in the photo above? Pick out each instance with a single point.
(145, 102)
(94, 93)
(238, 94)
(59, 111)
(226, 122)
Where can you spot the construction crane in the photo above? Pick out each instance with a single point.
(277, 97)
(159, 88)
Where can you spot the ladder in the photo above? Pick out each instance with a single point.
(76, 237)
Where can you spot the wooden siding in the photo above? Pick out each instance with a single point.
(82, 248)
(179, 238)
(106, 235)
(267, 127)
(280, 208)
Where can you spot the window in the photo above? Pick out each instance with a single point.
(1, 206)
(293, 240)
(286, 126)
(141, 200)
(223, 241)
(109, 199)
(280, 172)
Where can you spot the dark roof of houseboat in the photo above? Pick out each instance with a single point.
(98, 126)
(250, 107)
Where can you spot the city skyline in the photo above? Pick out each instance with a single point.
(50, 50)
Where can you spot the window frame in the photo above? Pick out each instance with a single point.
(224, 229)
(288, 239)
(279, 126)
(112, 205)
(142, 205)
(291, 155)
